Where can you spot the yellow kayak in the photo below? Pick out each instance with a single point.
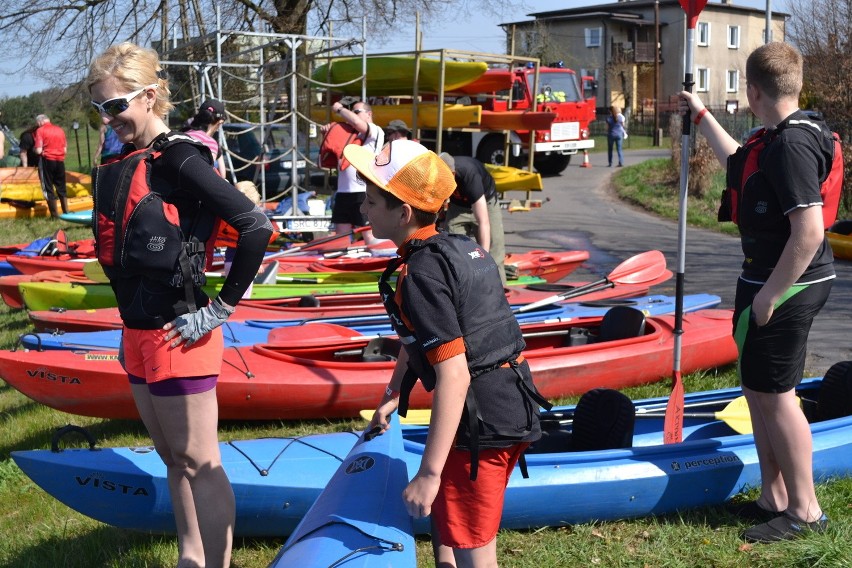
(508, 178)
(29, 209)
(840, 239)
(393, 75)
(23, 184)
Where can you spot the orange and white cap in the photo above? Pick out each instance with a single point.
(408, 170)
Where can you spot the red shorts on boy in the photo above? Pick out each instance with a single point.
(467, 513)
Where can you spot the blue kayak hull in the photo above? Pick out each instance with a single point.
(250, 332)
(276, 480)
(359, 519)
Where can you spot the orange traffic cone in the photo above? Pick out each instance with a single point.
(586, 163)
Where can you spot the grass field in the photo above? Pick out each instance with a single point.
(41, 532)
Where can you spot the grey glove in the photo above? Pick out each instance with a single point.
(121, 352)
(193, 326)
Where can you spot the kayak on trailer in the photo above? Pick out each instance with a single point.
(23, 184)
(393, 75)
(16, 209)
(454, 115)
(315, 371)
(238, 334)
(74, 295)
(517, 120)
(491, 81)
(359, 519)
(321, 306)
(565, 485)
(507, 178)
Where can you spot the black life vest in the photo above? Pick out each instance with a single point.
(138, 232)
(745, 163)
(492, 351)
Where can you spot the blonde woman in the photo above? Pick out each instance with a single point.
(171, 342)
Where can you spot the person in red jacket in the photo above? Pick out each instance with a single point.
(51, 145)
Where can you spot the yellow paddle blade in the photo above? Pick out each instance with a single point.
(416, 416)
(737, 416)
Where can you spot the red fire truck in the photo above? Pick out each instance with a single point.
(559, 91)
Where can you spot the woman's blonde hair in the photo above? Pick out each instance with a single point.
(248, 189)
(615, 109)
(133, 67)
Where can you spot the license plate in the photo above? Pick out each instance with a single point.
(308, 224)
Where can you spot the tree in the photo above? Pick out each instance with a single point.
(79, 29)
(822, 30)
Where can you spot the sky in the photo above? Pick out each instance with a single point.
(479, 33)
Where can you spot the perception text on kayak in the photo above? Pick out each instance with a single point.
(711, 462)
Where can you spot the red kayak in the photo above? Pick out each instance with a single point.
(12, 295)
(316, 371)
(552, 266)
(319, 306)
(36, 264)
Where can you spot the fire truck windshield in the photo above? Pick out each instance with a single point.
(556, 87)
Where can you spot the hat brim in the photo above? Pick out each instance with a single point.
(362, 159)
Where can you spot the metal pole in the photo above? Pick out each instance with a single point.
(768, 32)
(76, 126)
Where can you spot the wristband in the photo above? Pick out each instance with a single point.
(700, 115)
(391, 393)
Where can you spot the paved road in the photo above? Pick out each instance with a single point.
(583, 213)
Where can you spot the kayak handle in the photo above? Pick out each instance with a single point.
(68, 429)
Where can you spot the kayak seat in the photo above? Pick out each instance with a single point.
(309, 301)
(381, 349)
(621, 322)
(603, 420)
(835, 395)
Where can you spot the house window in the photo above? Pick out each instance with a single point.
(593, 37)
(703, 37)
(734, 37)
(702, 80)
(733, 83)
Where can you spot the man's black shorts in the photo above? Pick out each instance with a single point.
(347, 209)
(772, 357)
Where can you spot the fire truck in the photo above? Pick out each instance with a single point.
(558, 91)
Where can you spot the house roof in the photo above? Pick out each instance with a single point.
(627, 12)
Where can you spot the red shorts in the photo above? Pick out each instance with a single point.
(467, 513)
(147, 355)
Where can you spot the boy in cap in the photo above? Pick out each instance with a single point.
(461, 340)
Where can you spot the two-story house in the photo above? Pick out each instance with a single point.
(615, 44)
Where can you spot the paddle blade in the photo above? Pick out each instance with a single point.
(644, 267)
(639, 269)
(673, 422)
(414, 416)
(693, 9)
(737, 416)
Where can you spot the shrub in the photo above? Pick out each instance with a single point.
(702, 160)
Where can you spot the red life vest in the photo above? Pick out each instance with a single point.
(137, 232)
(335, 140)
(830, 186)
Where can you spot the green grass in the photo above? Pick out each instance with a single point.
(41, 532)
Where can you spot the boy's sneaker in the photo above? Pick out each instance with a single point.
(751, 511)
(784, 527)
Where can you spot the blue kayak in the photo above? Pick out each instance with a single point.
(276, 480)
(78, 217)
(359, 519)
(250, 332)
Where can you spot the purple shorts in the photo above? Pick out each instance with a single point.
(178, 386)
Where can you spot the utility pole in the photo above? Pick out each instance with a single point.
(768, 32)
(658, 137)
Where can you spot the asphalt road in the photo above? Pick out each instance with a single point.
(583, 213)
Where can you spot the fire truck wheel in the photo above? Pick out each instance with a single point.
(552, 165)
